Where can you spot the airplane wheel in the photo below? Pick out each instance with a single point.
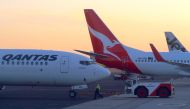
(163, 92)
(142, 92)
(72, 94)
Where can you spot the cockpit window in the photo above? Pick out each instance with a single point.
(87, 62)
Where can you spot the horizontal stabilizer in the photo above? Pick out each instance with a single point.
(91, 54)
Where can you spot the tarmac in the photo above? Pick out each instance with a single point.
(181, 100)
(27, 97)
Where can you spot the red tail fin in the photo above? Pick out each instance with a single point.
(103, 40)
(105, 43)
(157, 55)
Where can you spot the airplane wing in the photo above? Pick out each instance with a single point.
(173, 43)
(159, 58)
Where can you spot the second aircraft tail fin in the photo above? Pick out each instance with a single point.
(173, 43)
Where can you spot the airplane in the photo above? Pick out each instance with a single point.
(20, 67)
(182, 66)
(111, 53)
(173, 43)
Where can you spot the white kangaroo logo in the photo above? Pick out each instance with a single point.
(105, 41)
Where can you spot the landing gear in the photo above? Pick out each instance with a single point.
(72, 94)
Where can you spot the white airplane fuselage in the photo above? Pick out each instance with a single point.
(47, 68)
(148, 65)
(110, 52)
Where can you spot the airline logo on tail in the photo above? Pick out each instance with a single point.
(107, 43)
(103, 40)
(173, 43)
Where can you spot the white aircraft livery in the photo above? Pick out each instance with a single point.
(47, 68)
(132, 61)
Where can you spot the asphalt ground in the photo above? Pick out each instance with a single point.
(181, 100)
(27, 97)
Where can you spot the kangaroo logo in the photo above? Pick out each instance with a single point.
(107, 43)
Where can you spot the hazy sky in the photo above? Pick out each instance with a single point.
(60, 24)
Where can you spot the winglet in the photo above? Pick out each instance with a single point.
(157, 55)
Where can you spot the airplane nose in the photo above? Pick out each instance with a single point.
(102, 73)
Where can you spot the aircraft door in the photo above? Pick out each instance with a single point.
(64, 65)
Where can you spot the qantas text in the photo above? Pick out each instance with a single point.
(33, 57)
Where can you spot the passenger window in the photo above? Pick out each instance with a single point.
(46, 63)
(41, 63)
(2, 63)
(32, 63)
(27, 63)
(13, 63)
(151, 60)
(36, 63)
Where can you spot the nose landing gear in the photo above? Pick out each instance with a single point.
(73, 93)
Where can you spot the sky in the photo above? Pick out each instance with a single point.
(61, 25)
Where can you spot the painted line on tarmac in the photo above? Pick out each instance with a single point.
(172, 104)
